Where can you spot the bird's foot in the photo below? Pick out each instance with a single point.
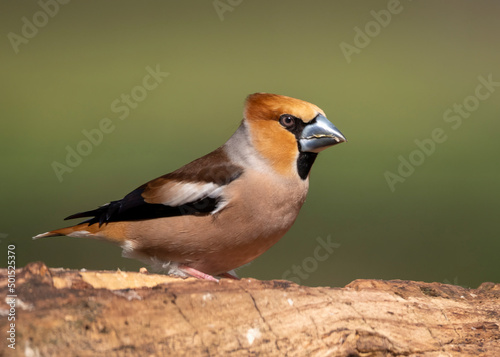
(196, 273)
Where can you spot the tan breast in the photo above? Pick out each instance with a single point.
(261, 211)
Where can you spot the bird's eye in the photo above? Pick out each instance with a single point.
(288, 121)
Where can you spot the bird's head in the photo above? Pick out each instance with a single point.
(289, 132)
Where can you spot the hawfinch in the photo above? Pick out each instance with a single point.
(226, 208)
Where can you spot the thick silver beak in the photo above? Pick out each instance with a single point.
(320, 135)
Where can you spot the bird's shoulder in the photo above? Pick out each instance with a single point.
(200, 177)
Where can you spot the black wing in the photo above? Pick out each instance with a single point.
(213, 168)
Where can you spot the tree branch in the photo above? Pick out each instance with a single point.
(112, 313)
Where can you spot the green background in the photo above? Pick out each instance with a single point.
(440, 224)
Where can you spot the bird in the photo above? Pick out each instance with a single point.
(223, 210)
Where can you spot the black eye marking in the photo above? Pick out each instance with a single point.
(288, 121)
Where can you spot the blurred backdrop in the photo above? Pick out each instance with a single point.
(414, 85)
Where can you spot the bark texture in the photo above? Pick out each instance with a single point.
(63, 312)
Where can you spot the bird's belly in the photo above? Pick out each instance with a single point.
(213, 244)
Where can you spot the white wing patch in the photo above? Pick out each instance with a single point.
(192, 192)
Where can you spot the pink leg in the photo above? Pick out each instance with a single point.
(196, 273)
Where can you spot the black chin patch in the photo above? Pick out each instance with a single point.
(305, 159)
(304, 163)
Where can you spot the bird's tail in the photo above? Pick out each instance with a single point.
(79, 230)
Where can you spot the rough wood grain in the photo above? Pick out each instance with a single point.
(74, 313)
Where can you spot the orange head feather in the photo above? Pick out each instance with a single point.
(275, 143)
(266, 106)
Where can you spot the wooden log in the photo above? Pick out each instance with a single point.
(62, 312)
